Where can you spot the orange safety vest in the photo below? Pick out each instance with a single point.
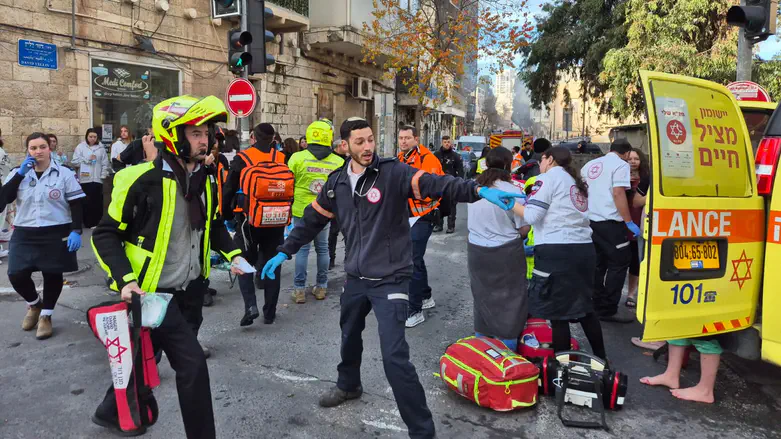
(517, 161)
(252, 156)
(422, 159)
(222, 176)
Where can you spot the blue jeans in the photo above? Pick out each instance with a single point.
(419, 290)
(321, 248)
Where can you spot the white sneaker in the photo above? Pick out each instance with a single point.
(429, 303)
(415, 319)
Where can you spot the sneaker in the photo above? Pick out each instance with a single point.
(299, 295)
(336, 396)
(319, 292)
(31, 318)
(44, 328)
(415, 319)
(3, 253)
(619, 317)
(437, 229)
(451, 230)
(250, 315)
(429, 303)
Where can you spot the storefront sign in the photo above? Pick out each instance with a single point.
(36, 54)
(120, 81)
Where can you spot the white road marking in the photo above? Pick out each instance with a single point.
(383, 426)
(287, 377)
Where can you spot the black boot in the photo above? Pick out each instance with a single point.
(437, 228)
(250, 315)
(335, 396)
(332, 264)
(208, 299)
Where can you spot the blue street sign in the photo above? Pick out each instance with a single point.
(37, 54)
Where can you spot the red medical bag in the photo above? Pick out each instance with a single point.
(537, 340)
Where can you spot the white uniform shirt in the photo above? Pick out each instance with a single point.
(489, 225)
(44, 202)
(90, 172)
(557, 210)
(118, 147)
(602, 175)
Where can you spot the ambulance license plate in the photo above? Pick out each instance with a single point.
(696, 255)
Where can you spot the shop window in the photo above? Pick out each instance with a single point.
(124, 94)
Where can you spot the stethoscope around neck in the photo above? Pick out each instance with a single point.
(330, 194)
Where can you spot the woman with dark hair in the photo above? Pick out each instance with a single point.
(562, 281)
(47, 230)
(302, 143)
(291, 147)
(91, 158)
(496, 240)
(61, 159)
(639, 174)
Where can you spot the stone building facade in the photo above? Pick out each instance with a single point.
(123, 56)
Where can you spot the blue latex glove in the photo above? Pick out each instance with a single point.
(271, 266)
(528, 249)
(26, 165)
(230, 225)
(74, 242)
(505, 200)
(633, 228)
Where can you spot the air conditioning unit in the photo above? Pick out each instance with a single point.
(362, 89)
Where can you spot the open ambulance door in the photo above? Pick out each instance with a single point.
(769, 183)
(704, 231)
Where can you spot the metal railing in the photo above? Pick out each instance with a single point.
(298, 6)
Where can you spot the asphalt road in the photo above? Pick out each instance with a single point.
(266, 379)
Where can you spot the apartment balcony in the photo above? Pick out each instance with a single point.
(289, 15)
(337, 26)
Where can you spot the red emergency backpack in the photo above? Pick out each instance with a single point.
(486, 371)
(537, 339)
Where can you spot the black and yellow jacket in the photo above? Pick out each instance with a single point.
(131, 240)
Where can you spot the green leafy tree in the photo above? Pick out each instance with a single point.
(686, 37)
(571, 39)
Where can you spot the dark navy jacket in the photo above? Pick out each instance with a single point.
(375, 226)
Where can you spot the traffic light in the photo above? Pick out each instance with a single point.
(758, 18)
(257, 14)
(238, 57)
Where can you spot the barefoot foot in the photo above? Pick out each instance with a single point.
(661, 380)
(696, 394)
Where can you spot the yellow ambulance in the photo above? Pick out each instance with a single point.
(712, 261)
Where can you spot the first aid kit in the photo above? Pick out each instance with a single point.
(486, 371)
(537, 339)
(584, 380)
(132, 362)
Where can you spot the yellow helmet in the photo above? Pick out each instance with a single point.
(170, 116)
(320, 132)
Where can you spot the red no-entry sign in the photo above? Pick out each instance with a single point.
(241, 97)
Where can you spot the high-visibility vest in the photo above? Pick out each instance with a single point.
(222, 177)
(481, 166)
(422, 159)
(517, 161)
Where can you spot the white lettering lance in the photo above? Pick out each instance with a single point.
(694, 224)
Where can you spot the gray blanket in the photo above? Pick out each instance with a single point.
(498, 278)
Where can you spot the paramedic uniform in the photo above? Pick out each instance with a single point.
(610, 233)
(372, 210)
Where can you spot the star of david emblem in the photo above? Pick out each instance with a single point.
(736, 277)
(675, 130)
(119, 351)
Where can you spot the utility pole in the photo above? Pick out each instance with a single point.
(244, 121)
(745, 53)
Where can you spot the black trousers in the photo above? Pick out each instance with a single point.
(180, 344)
(93, 207)
(24, 285)
(448, 211)
(333, 237)
(390, 307)
(613, 257)
(258, 246)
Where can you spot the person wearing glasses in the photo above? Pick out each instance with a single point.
(368, 197)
